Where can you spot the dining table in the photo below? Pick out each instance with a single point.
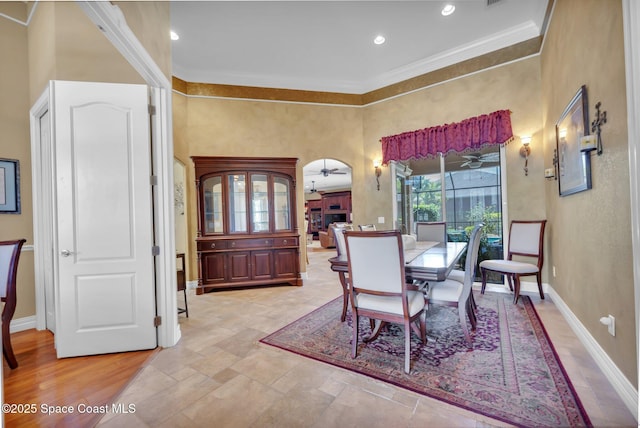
(427, 261)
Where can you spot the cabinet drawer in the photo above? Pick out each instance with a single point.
(289, 241)
(211, 245)
(239, 244)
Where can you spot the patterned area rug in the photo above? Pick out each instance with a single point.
(512, 374)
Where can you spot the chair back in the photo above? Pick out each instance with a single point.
(376, 261)
(338, 236)
(431, 231)
(526, 239)
(9, 256)
(473, 248)
(365, 227)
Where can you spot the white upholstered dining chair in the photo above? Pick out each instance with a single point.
(431, 231)
(453, 293)
(378, 289)
(338, 236)
(526, 239)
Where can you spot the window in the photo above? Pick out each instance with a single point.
(472, 193)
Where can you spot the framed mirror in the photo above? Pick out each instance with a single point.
(574, 166)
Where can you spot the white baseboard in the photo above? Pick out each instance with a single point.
(620, 383)
(22, 324)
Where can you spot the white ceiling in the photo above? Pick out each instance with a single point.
(328, 45)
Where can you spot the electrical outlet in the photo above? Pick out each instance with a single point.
(380, 220)
(610, 322)
(612, 325)
(554, 271)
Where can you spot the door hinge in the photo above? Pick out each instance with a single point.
(155, 250)
(154, 180)
(152, 109)
(157, 321)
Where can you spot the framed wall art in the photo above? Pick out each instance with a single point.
(574, 166)
(9, 186)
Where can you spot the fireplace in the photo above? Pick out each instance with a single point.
(334, 217)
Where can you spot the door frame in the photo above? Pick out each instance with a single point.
(631, 26)
(113, 25)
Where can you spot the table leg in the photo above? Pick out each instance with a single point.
(375, 331)
(345, 295)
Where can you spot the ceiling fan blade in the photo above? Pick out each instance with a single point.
(490, 157)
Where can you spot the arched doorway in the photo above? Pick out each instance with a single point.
(327, 194)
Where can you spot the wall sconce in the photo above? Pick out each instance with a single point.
(525, 151)
(550, 173)
(378, 171)
(601, 119)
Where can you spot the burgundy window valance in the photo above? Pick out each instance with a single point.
(470, 134)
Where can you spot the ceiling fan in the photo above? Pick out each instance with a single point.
(325, 171)
(475, 160)
(313, 187)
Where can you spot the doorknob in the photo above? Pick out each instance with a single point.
(66, 253)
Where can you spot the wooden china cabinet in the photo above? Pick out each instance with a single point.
(247, 231)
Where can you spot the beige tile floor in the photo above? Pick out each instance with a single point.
(219, 375)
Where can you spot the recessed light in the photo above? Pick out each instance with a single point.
(379, 40)
(174, 35)
(448, 9)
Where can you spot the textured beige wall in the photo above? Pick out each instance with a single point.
(15, 144)
(150, 22)
(65, 45)
(590, 231)
(224, 127)
(514, 86)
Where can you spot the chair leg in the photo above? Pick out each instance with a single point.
(539, 277)
(484, 280)
(7, 349)
(472, 302)
(471, 313)
(419, 327)
(355, 320)
(186, 305)
(462, 314)
(509, 282)
(407, 346)
(516, 288)
(345, 295)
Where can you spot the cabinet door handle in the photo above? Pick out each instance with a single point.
(284, 241)
(233, 244)
(213, 245)
(266, 242)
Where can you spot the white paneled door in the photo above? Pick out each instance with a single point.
(105, 290)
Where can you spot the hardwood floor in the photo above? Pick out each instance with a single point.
(44, 380)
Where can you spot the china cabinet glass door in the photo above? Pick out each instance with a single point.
(281, 200)
(259, 203)
(237, 203)
(213, 220)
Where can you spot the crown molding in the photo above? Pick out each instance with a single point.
(487, 61)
